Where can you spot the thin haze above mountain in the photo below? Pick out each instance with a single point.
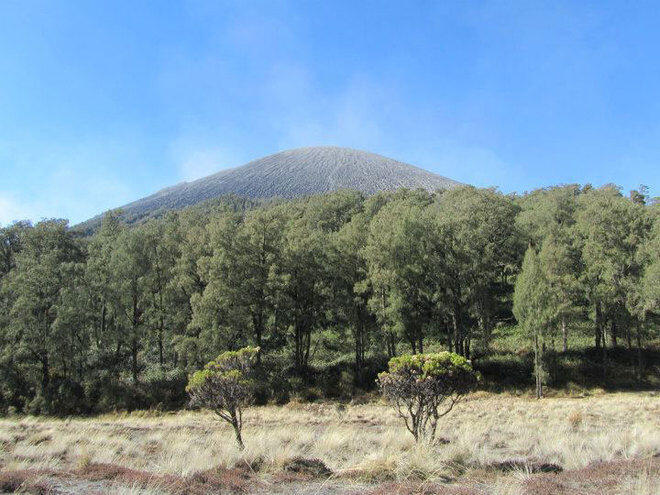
(294, 173)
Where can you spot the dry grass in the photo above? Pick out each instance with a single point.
(364, 443)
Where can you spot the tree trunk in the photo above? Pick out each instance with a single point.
(486, 327)
(134, 338)
(161, 330)
(359, 341)
(538, 367)
(613, 332)
(103, 316)
(239, 439)
(235, 422)
(161, 359)
(458, 333)
(298, 348)
(302, 347)
(307, 347)
(564, 334)
(599, 329)
(639, 352)
(134, 359)
(391, 344)
(45, 376)
(257, 323)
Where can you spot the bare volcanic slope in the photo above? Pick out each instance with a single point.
(293, 173)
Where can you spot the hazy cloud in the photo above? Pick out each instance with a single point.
(474, 165)
(197, 153)
(303, 113)
(12, 210)
(73, 181)
(200, 163)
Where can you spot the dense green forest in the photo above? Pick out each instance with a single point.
(328, 287)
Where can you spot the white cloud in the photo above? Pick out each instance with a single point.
(12, 210)
(67, 180)
(196, 154)
(200, 163)
(303, 113)
(474, 165)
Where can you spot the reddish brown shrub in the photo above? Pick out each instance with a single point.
(38, 487)
(25, 480)
(100, 471)
(596, 479)
(11, 481)
(408, 488)
(314, 468)
(234, 480)
(526, 465)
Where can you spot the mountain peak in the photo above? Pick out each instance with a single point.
(293, 173)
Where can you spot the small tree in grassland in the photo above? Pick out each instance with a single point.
(425, 387)
(225, 387)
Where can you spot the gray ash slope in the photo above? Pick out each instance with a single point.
(290, 174)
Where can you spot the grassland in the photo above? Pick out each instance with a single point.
(490, 444)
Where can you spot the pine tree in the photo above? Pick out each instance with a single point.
(532, 308)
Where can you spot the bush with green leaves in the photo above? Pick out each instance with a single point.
(225, 386)
(425, 387)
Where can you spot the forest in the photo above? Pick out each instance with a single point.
(328, 288)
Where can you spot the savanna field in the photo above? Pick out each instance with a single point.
(601, 443)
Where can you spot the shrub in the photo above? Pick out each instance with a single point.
(280, 388)
(313, 468)
(225, 387)
(164, 388)
(69, 397)
(425, 387)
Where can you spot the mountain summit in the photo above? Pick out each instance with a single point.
(292, 173)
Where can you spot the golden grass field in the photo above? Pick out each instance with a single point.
(606, 443)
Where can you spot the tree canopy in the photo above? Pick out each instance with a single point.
(119, 318)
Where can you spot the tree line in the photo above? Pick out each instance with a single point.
(119, 318)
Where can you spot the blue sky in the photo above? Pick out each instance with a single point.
(105, 102)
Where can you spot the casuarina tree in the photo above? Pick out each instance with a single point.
(534, 309)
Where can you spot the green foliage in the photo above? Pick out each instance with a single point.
(328, 288)
(532, 296)
(611, 230)
(225, 386)
(230, 366)
(425, 387)
(429, 365)
(532, 306)
(646, 294)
